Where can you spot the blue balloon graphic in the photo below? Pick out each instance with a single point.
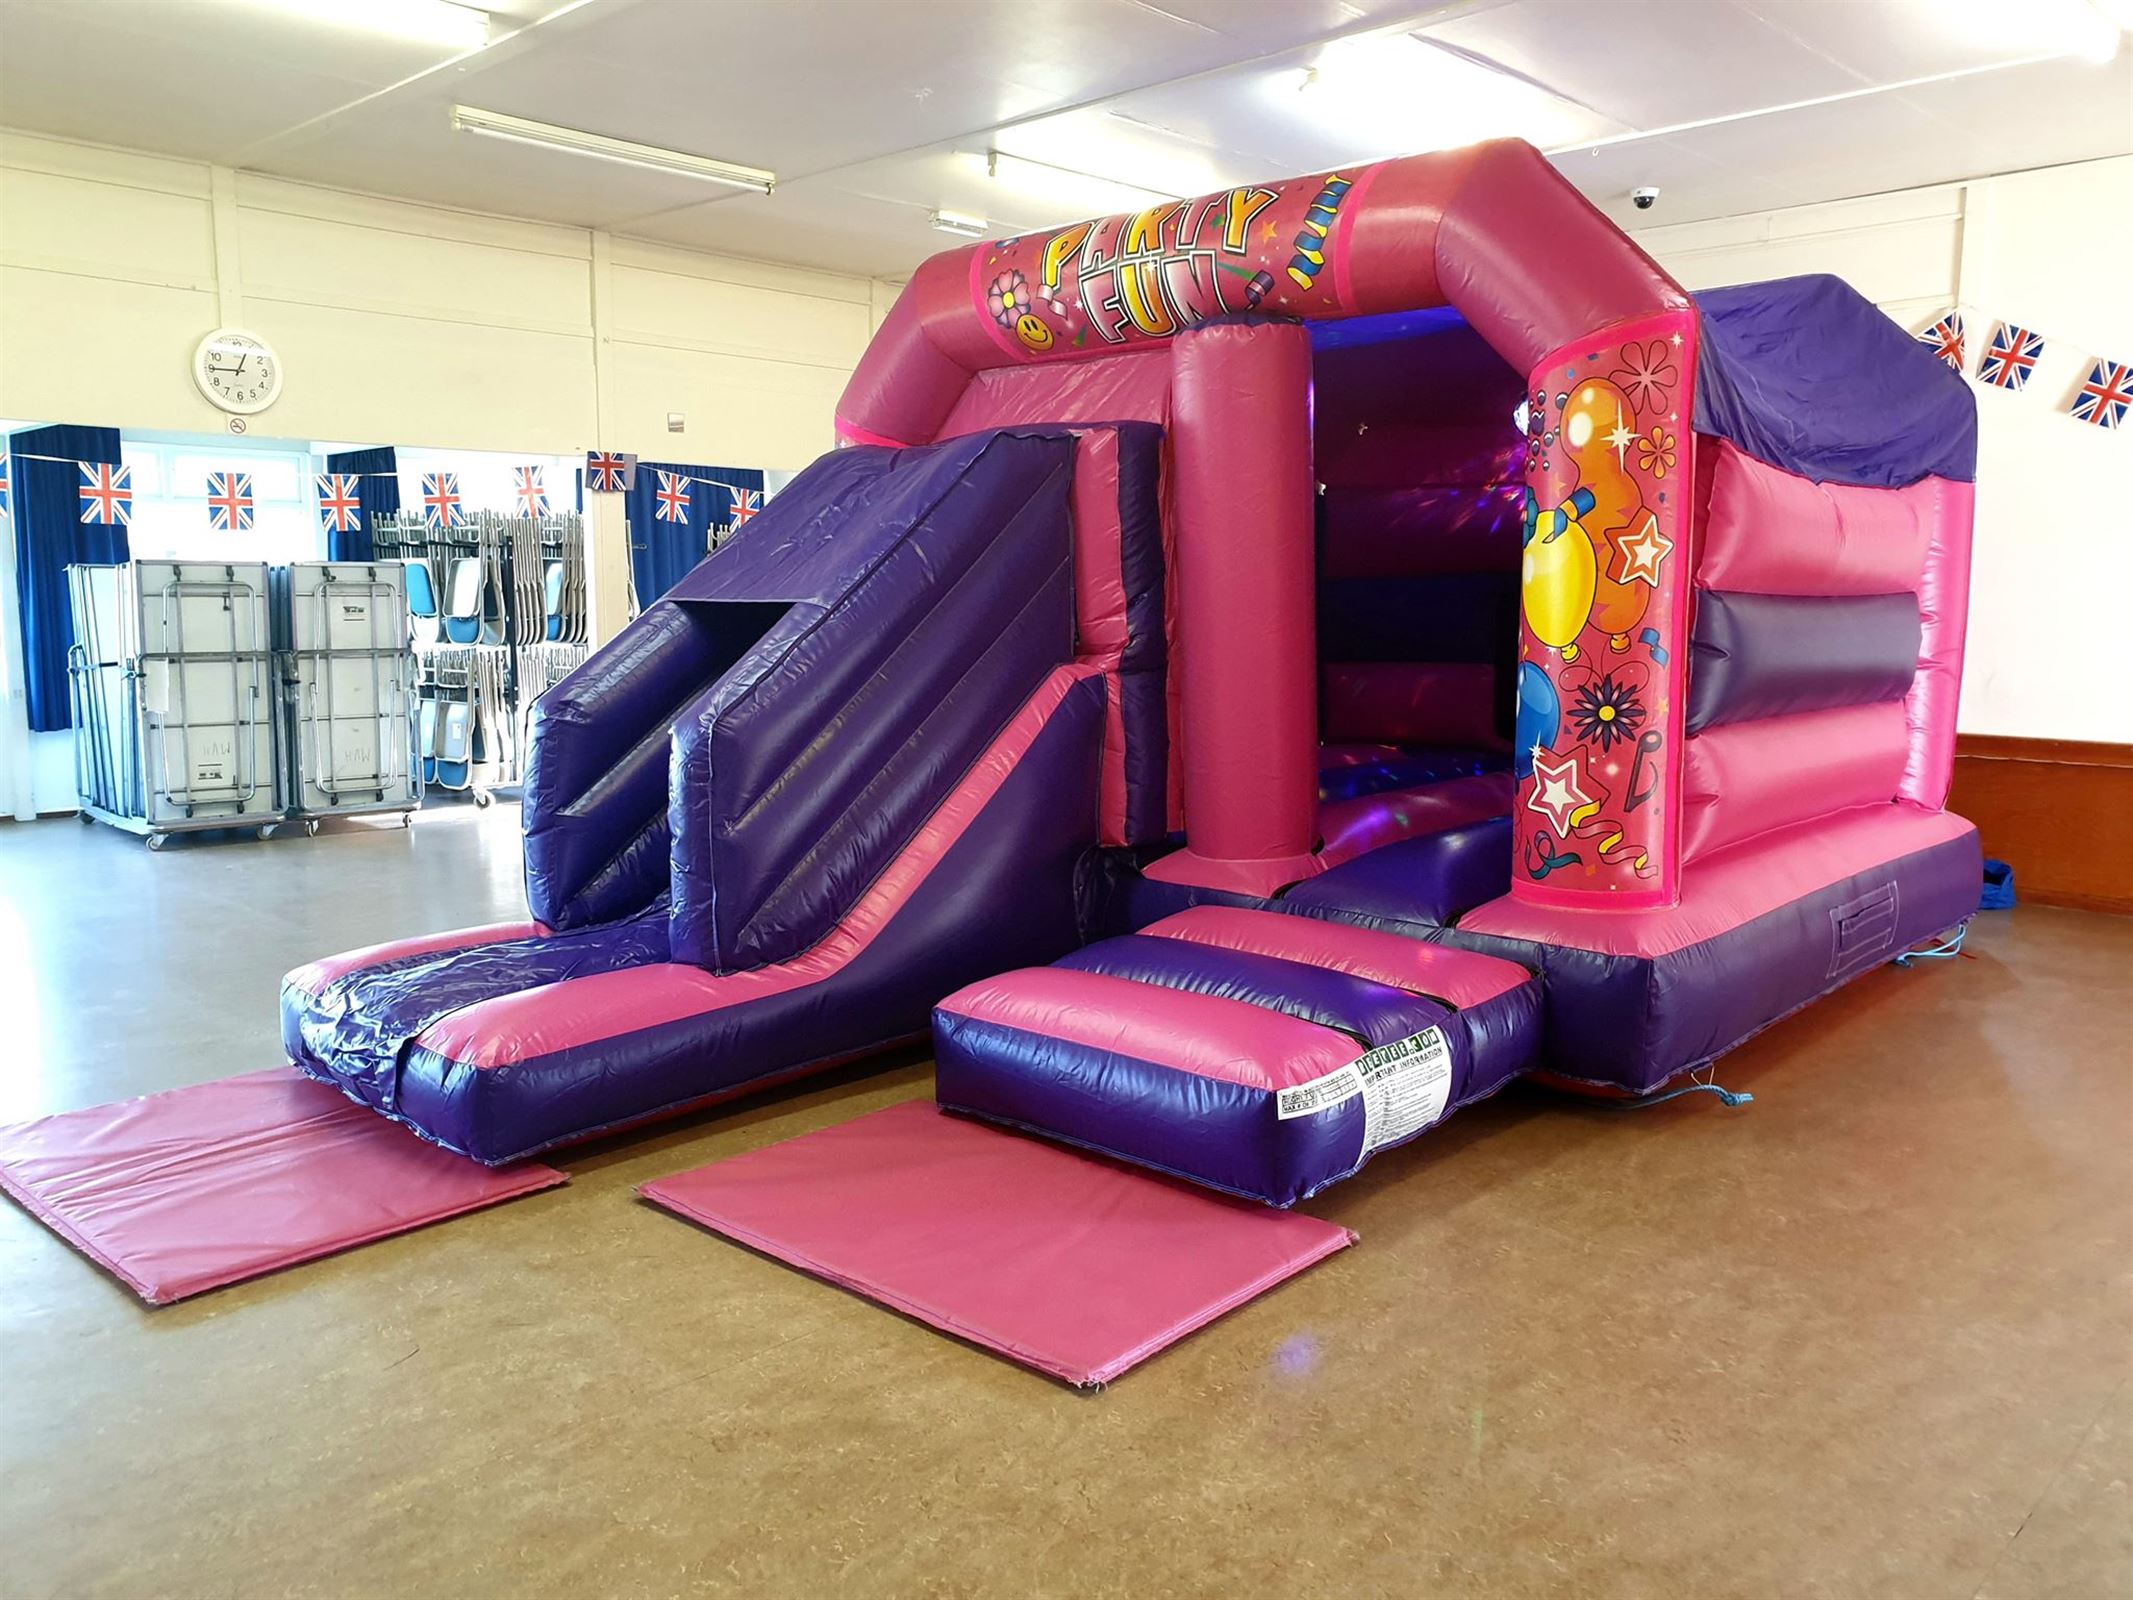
(1540, 717)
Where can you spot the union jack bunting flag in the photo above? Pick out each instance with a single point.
(2012, 356)
(1945, 339)
(106, 494)
(672, 497)
(746, 503)
(4, 487)
(532, 496)
(440, 500)
(229, 502)
(606, 473)
(2105, 394)
(340, 508)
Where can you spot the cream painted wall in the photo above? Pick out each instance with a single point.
(399, 323)
(2052, 566)
(396, 324)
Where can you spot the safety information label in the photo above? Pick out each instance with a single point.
(1406, 1087)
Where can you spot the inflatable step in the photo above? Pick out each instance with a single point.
(1254, 1052)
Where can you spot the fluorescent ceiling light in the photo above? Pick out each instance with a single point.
(1395, 94)
(956, 222)
(523, 130)
(436, 22)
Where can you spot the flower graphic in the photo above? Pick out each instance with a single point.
(1646, 374)
(1008, 298)
(1655, 452)
(1607, 711)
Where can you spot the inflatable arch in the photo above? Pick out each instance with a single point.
(1264, 671)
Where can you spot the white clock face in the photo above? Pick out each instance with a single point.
(238, 371)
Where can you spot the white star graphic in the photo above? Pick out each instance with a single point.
(1557, 793)
(1620, 437)
(1643, 550)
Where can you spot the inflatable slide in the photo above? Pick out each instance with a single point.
(1263, 673)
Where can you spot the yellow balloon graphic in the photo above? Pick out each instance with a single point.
(1558, 580)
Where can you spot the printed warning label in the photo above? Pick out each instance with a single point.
(1301, 1100)
(1405, 1087)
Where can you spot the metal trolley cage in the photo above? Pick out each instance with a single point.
(160, 748)
(348, 680)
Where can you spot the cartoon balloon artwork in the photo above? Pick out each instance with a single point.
(1558, 573)
(1540, 715)
(1599, 594)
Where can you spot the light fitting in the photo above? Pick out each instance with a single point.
(957, 223)
(548, 135)
(1395, 93)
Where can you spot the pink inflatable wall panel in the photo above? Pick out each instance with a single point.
(1944, 613)
(1751, 777)
(1769, 532)
(1123, 388)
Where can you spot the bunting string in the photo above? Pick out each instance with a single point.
(106, 493)
(1998, 354)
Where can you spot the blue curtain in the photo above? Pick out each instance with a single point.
(661, 552)
(49, 537)
(377, 487)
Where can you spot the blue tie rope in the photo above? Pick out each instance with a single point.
(1731, 1097)
(1947, 950)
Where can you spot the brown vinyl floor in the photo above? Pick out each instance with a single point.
(1868, 1337)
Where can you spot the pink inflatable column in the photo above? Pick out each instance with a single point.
(1247, 641)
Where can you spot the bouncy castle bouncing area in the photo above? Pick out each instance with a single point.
(1262, 674)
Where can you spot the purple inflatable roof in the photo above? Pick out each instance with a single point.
(1810, 375)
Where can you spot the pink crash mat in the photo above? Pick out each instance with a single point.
(1063, 1262)
(185, 1191)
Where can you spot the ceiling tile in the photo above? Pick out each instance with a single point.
(1650, 63)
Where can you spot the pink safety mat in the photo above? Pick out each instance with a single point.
(185, 1191)
(1074, 1265)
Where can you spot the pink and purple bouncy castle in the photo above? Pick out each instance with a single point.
(1264, 672)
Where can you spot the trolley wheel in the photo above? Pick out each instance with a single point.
(483, 799)
(311, 828)
(407, 819)
(83, 818)
(266, 830)
(156, 841)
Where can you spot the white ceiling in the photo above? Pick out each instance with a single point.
(875, 112)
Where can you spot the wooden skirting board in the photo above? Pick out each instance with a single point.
(2059, 811)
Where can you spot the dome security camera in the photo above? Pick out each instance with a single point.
(1645, 198)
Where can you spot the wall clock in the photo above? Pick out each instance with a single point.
(237, 371)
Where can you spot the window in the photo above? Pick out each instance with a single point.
(171, 515)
